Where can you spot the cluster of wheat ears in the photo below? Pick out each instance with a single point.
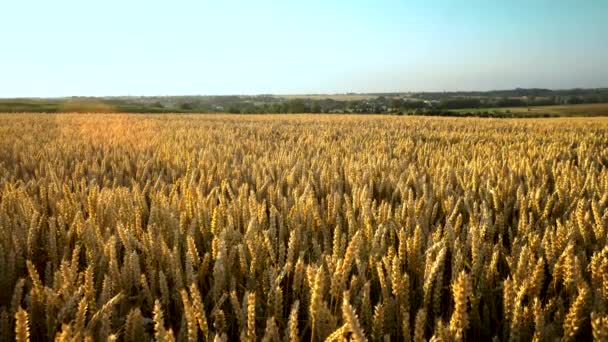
(287, 228)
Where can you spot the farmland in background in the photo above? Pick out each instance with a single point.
(472, 103)
(593, 109)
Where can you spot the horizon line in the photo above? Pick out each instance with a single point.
(379, 93)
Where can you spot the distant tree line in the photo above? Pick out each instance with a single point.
(426, 103)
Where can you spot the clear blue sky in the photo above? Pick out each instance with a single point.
(126, 47)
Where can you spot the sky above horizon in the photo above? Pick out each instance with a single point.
(188, 47)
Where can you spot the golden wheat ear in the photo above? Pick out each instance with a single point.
(22, 326)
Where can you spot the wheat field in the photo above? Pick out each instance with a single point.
(313, 228)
